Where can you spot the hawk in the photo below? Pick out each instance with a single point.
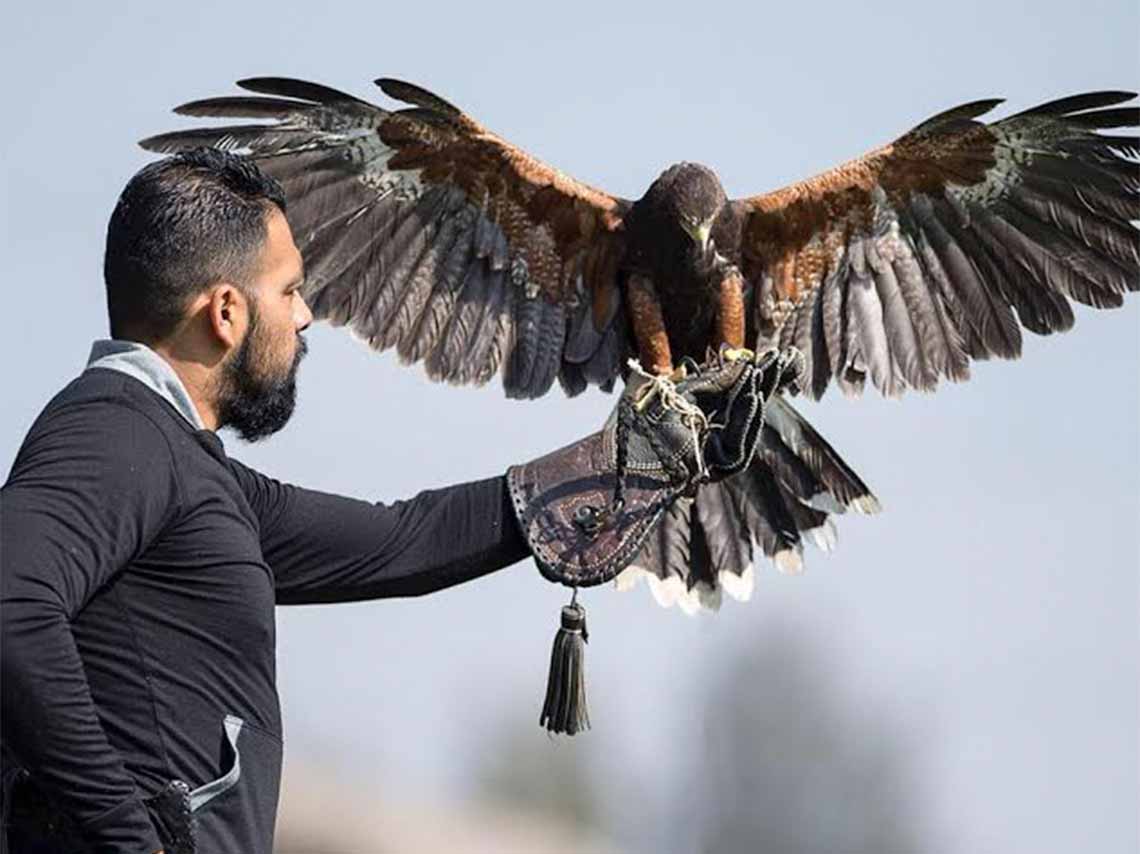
(425, 232)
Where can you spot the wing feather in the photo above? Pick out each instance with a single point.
(947, 309)
(445, 361)
(496, 330)
(950, 239)
(867, 320)
(393, 208)
(897, 324)
(442, 292)
(440, 235)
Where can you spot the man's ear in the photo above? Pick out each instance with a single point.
(228, 310)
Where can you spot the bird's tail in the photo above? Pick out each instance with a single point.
(706, 545)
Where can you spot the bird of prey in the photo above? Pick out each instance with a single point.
(424, 231)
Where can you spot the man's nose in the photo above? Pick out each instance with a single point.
(302, 315)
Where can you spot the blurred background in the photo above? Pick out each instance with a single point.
(959, 676)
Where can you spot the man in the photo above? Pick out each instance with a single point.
(141, 564)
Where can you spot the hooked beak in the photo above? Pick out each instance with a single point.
(700, 234)
(703, 236)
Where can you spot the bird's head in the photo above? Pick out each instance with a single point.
(697, 199)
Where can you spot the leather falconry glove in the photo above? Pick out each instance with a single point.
(737, 417)
(587, 509)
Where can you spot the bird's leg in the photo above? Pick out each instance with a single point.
(648, 325)
(730, 313)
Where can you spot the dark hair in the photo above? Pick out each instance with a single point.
(182, 224)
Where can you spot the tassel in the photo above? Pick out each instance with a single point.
(565, 708)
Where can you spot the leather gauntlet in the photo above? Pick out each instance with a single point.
(586, 509)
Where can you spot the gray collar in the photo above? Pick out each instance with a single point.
(139, 361)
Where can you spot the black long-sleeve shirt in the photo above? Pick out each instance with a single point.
(139, 569)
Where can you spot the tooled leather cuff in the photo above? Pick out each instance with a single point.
(565, 506)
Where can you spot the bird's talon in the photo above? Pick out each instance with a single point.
(734, 354)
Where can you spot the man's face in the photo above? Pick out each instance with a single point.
(259, 379)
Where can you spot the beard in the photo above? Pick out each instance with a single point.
(255, 400)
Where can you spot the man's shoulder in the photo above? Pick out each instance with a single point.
(116, 395)
(98, 450)
(110, 414)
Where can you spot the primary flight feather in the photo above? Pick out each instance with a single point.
(423, 231)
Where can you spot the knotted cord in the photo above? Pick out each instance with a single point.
(789, 360)
(690, 414)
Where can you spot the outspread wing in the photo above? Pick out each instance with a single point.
(937, 248)
(425, 232)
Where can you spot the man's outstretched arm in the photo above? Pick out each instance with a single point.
(325, 548)
(328, 548)
(90, 488)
